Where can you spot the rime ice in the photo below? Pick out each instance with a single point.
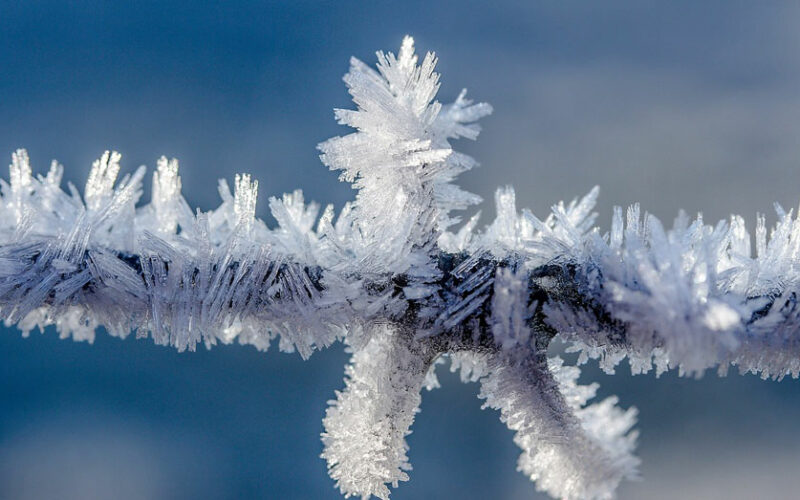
(389, 278)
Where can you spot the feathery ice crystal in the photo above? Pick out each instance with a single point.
(389, 278)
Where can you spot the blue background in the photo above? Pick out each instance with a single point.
(675, 104)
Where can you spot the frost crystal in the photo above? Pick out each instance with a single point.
(389, 279)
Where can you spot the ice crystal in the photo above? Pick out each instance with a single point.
(389, 278)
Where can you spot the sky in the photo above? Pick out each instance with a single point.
(677, 105)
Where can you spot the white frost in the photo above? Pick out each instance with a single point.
(389, 278)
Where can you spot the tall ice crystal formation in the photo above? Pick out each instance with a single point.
(389, 279)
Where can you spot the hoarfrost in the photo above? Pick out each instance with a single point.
(389, 278)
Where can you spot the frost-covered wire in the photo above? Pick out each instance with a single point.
(395, 278)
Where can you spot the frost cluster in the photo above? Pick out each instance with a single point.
(391, 278)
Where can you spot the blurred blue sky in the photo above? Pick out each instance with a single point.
(676, 104)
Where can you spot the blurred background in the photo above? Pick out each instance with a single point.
(675, 104)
